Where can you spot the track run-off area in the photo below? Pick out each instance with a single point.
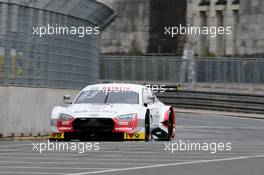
(243, 156)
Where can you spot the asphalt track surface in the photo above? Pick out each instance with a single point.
(139, 158)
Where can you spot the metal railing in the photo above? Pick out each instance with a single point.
(222, 73)
(226, 74)
(221, 101)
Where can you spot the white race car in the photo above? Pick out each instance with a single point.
(113, 112)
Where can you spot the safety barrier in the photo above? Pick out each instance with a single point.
(237, 102)
(25, 111)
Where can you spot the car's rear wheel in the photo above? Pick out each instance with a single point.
(147, 126)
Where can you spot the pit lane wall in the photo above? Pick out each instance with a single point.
(25, 111)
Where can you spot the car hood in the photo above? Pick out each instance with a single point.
(102, 110)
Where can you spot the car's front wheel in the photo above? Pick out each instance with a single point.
(147, 126)
(170, 126)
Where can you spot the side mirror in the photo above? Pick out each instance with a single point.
(66, 98)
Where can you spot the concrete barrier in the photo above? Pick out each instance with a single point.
(25, 111)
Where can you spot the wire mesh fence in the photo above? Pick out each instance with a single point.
(65, 61)
(62, 73)
(210, 71)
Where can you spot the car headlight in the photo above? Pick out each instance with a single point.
(127, 117)
(65, 117)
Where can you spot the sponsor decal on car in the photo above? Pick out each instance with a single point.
(57, 135)
(136, 135)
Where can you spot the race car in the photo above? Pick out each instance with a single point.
(113, 112)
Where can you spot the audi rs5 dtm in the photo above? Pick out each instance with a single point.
(113, 112)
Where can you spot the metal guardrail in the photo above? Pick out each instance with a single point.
(177, 96)
(221, 101)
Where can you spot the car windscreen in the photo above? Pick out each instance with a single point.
(95, 96)
(122, 97)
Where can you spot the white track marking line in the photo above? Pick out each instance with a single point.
(15, 144)
(260, 156)
(177, 155)
(77, 158)
(158, 154)
(55, 168)
(165, 155)
(162, 165)
(65, 153)
(161, 155)
(42, 154)
(30, 173)
(118, 153)
(13, 150)
(76, 162)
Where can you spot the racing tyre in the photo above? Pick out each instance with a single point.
(147, 126)
(170, 127)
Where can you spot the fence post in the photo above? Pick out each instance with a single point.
(7, 63)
